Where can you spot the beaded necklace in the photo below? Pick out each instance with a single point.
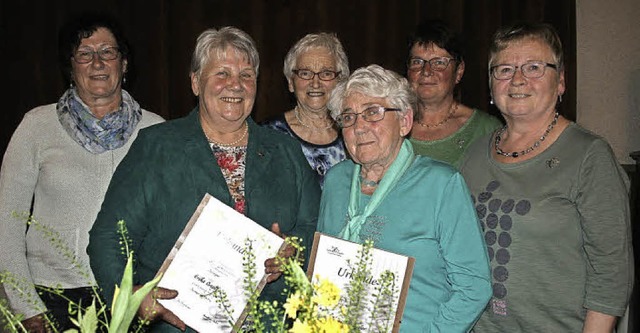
(535, 145)
(230, 144)
(312, 128)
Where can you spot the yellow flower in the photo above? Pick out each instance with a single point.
(300, 327)
(293, 304)
(326, 293)
(331, 325)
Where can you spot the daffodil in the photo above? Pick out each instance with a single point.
(293, 304)
(331, 325)
(301, 327)
(326, 293)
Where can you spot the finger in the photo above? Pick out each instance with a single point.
(164, 293)
(172, 319)
(273, 277)
(275, 228)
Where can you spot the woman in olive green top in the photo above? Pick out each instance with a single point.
(444, 127)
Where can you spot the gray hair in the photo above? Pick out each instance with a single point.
(517, 32)
(325, 40)
(213, 41)
(374, 81)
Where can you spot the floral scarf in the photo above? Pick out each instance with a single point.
(93, 134)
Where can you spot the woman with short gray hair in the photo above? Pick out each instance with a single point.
(216, 149)
(313, 67)
(407, 204)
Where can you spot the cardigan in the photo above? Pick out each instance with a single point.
(162, 180)
(66, 183)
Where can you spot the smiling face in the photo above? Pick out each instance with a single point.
(374, 143)
(312, 95)
(433, 86)
(226, 88)
(527, 97)
(98, 79)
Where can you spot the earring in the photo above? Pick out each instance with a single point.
(559, 98)
(491, 101)
(124, 80)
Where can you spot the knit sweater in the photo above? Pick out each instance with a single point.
(67, 184)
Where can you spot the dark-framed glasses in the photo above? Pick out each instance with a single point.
(370, 114)
(83, 56)
(531, 70)
(437, 64)
(325, 75)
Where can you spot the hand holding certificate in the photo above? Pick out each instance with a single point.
(207, 259)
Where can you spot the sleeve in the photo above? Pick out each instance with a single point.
(309, 194)
(466, 260)
(603, 204)
(18, 179)
(126, 199)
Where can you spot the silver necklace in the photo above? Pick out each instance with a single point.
(230, 144)
(452, 111)
(535, 145)
(313, 128)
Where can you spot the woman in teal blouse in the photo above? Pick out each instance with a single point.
(407, 204)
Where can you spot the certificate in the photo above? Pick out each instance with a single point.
(208, 255)
(334, 259)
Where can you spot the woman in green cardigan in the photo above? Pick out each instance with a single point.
(216, 149)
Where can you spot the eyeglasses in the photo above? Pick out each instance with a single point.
(437, 64)
(531, 70)
(86, 55)
(307, 74)
(370, 114)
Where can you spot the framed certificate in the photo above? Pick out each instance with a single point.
(334, 259)
(209, 255)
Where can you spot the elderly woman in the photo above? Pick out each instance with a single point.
(58, 166)
(313, 67)
(407, 204)
(444, 128)
(552, 199)
(216, 149)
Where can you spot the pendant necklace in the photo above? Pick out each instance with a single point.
(452, 111)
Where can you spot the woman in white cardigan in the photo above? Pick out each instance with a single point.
(57, 167)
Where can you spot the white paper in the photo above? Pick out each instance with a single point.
(331, 262)
(211, 256)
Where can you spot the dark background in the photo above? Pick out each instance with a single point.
(162, 35)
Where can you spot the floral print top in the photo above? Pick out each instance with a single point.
(232, 161)
(320, 157)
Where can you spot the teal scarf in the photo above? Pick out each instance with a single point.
(392, 176)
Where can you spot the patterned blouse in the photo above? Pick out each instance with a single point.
(232, 161)
(320, 157)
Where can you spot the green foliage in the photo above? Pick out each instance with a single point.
(94, 317)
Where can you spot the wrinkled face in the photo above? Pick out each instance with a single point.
(313, 94)
(430, 85)
(226, 87)
(374, 143)
(98, 78)
(521, 96)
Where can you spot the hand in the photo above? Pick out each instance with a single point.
(36, 324)
(272, 265)
(152, 311)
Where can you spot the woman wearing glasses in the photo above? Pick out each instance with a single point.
(62, 157)
(313, 67)
(444, 128)
(407, 204)
(552, 199)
